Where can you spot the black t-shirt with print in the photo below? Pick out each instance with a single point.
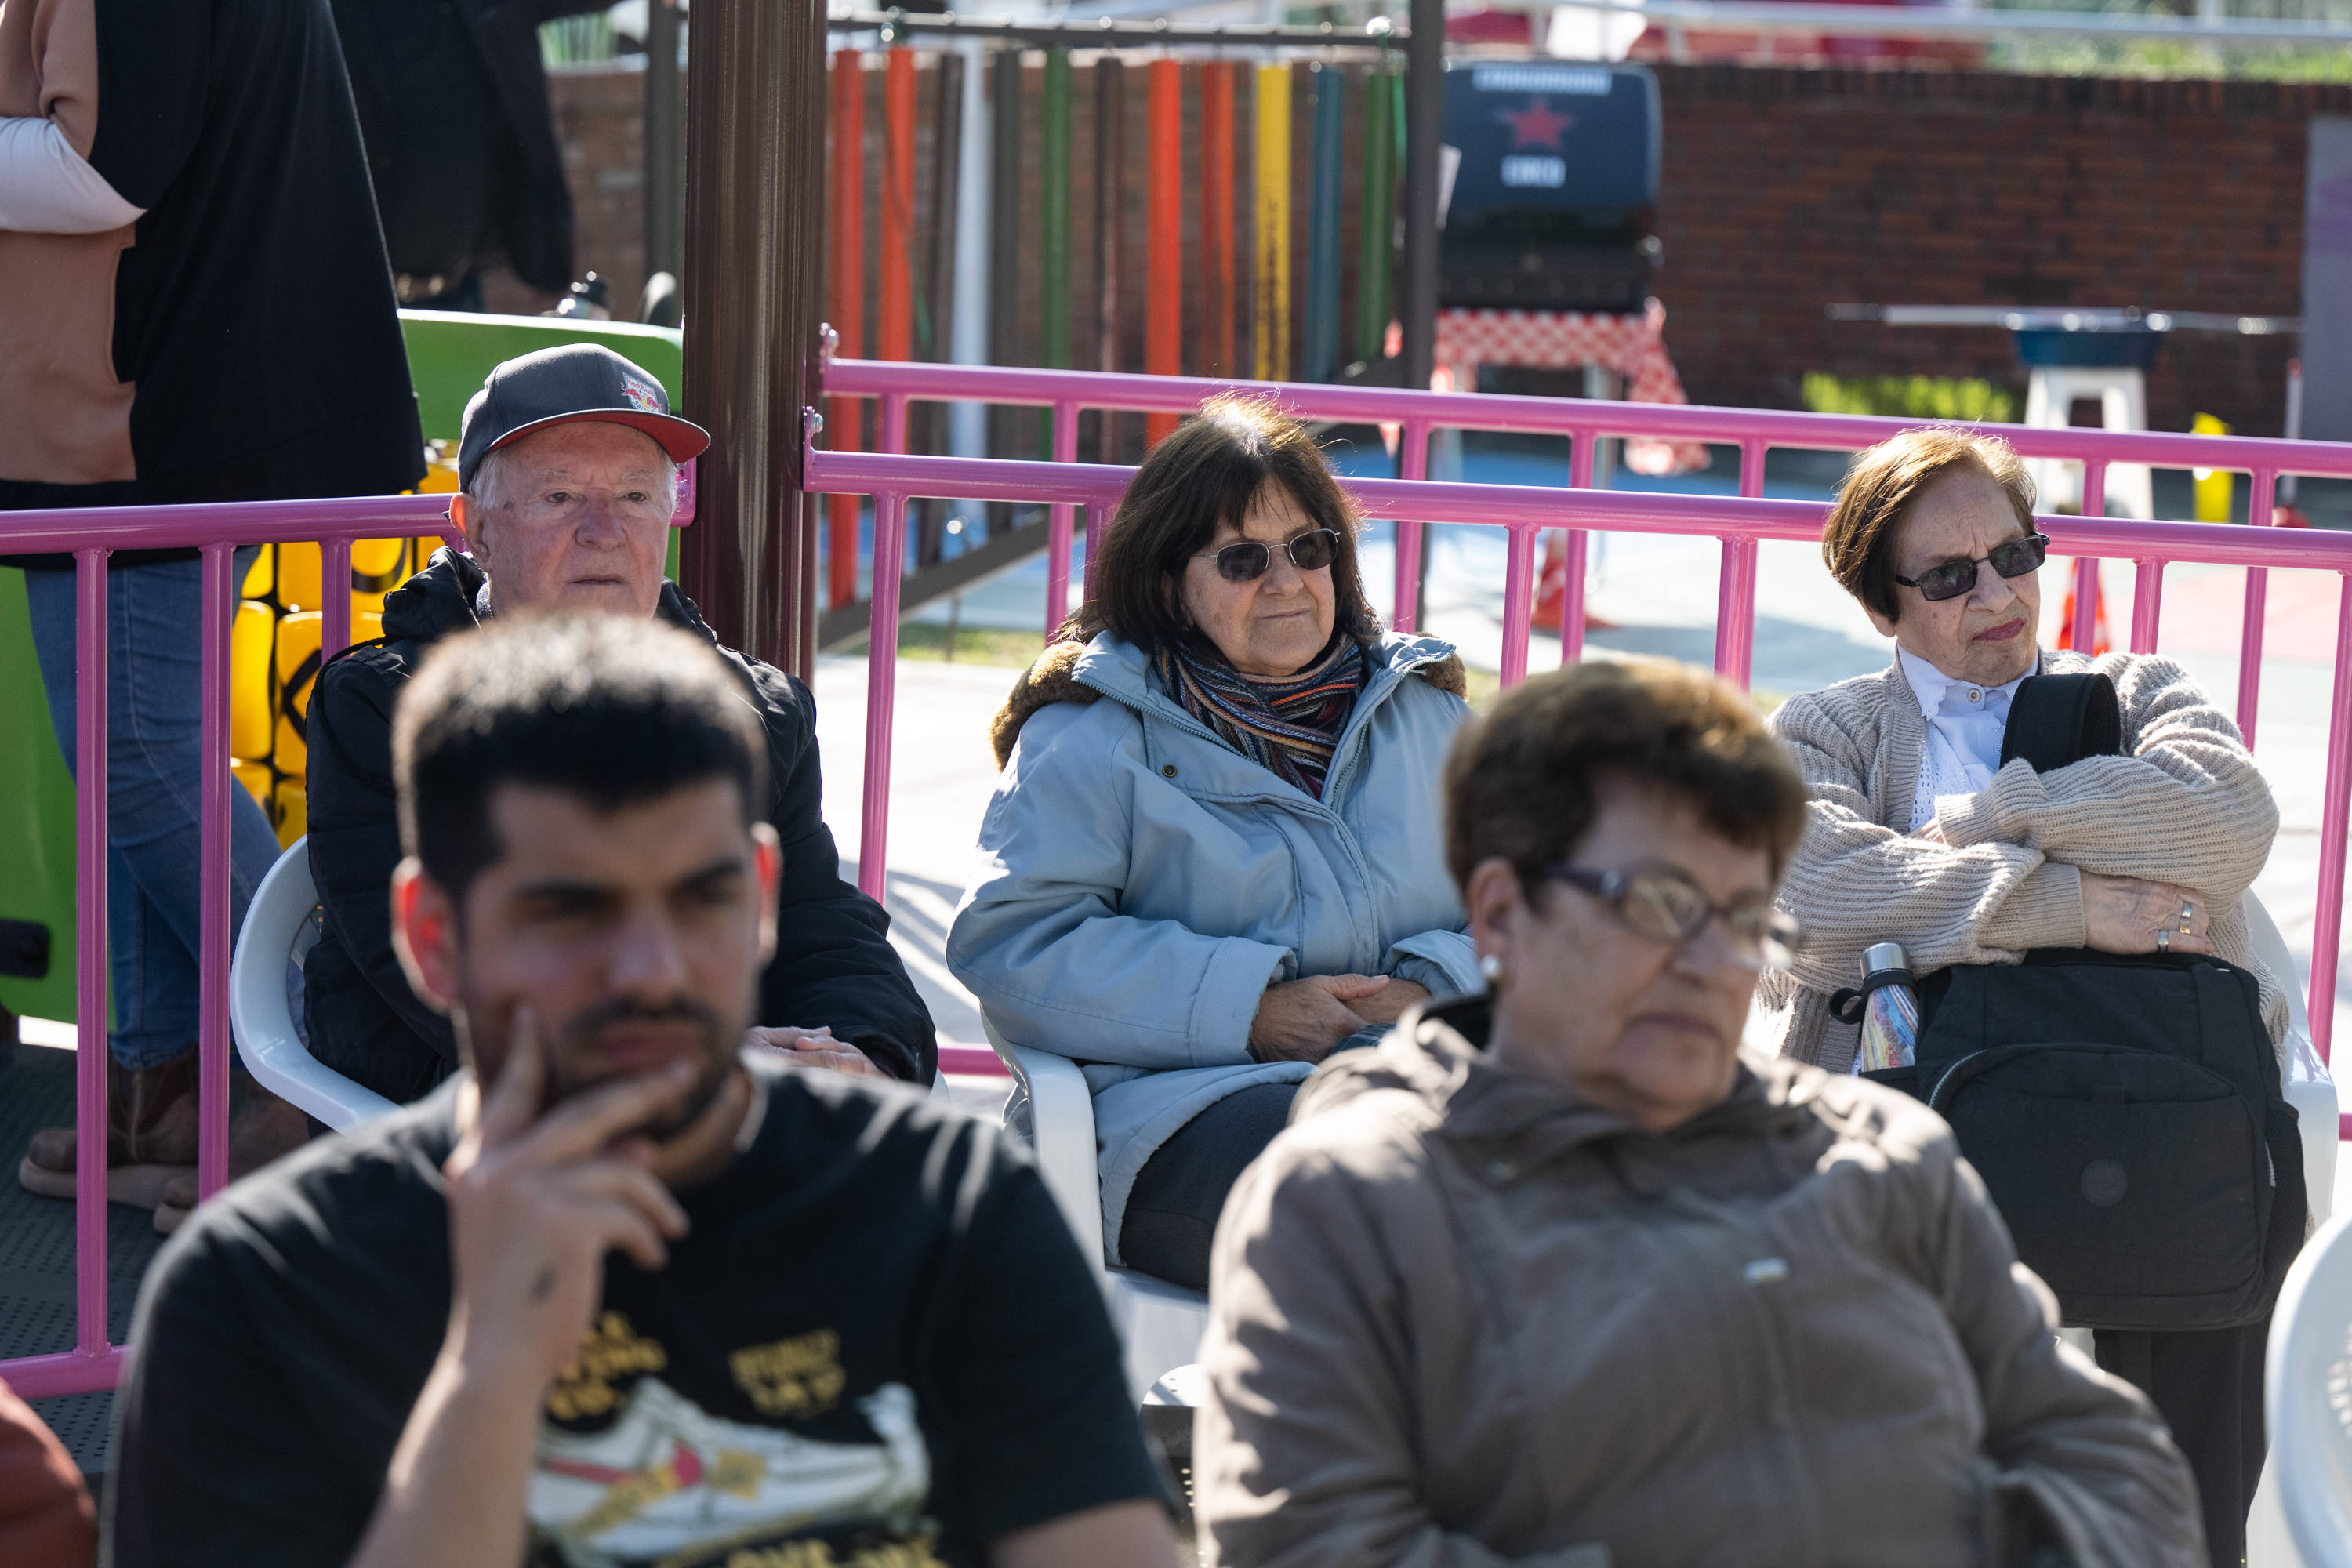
(879, 1335)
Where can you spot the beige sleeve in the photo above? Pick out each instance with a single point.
(1853, 882)
(2186, 804)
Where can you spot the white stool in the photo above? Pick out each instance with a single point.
(2051, 391)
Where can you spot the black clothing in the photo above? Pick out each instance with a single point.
(254, 311)
(834, 962)
(1172, 1212)
(460, 136)
(2207, 1386)
(878, 1327)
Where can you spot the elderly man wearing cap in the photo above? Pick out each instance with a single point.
(569, 464)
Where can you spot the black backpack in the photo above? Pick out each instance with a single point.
(2125, 1111)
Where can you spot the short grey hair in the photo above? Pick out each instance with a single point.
(490, 475)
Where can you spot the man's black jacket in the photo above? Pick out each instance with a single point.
(834, 962)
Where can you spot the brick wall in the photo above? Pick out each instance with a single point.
(1785, 190)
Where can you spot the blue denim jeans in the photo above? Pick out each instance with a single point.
(154, 730)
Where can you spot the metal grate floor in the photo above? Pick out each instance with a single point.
(37, 1250)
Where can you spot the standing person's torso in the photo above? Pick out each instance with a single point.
(239, 342)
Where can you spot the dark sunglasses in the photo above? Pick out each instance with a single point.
(1662, 902)
(1954, 578)
(1250, 559)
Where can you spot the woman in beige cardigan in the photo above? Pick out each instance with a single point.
(1918, 835)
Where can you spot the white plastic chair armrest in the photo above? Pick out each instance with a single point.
(262, 1023)
(1062, 1120)
(2307, 1085)
(2311, 1448)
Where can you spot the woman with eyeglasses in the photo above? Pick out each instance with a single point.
(1213, 858)
(1559, 1278)
(1918, 833)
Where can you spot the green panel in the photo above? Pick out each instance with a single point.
(451, 352)
(36, 813)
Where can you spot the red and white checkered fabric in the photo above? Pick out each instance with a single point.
(1633, 346)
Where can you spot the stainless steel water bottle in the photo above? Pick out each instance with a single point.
(1890, 1013)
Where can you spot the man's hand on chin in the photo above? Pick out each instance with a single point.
(813, 1048)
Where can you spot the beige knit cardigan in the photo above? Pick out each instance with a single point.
(2184, 804)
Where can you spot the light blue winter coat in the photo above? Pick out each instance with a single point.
(1142, 883)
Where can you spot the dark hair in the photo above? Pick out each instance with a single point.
(1858, 543)
(1206, 472)
(1521, 781)
(611, 709)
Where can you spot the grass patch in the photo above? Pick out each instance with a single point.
(1910, 397)
(973, 645)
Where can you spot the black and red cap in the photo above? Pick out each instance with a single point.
(568, 385)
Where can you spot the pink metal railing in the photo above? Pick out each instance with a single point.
(92, 536)
(892, 477)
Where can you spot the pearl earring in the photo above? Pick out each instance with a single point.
(1491, 966)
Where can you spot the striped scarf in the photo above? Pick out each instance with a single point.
(1289, 727)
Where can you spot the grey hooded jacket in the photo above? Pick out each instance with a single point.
(1142, 883)
(1463, 1320)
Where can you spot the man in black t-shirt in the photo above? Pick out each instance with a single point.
(611, 1295)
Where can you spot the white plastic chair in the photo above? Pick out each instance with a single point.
(2304, 1386)
(1159, 1325)
(2270, 1541)
(278, 927)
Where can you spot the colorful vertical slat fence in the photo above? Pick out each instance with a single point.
(1163, 308)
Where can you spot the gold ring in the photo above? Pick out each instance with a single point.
(2187, 914)
(2164, 941)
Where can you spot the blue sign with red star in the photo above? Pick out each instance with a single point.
(1547, 136)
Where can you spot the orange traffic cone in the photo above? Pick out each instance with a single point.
(2099, 641)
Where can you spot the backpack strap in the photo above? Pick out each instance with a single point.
(2055, 719)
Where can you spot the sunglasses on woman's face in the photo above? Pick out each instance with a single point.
(1953, 578)
(1251, 558)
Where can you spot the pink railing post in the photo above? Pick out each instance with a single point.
(1582, 445)
(1735, 593)
(213, 871)
(90, 994)
(881, 687)
(2148, 604)
(1058, 523)
(1518, 601)
(2258, 513)
(2082, 634)
(335, 589)
(1412, 463)
(2327, 916)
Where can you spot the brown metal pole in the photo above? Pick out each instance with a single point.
(755, 140)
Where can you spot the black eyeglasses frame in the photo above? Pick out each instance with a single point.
(2036, 544)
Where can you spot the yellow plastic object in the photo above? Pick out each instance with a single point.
(254, 777)
(293, 813)
(251, 641)
(298, 577)
(261, 579)
(2213, 485)
(376, 557)
(297, 670)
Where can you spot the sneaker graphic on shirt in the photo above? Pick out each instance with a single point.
(668, 1482)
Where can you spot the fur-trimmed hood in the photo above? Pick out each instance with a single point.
(1054, 679)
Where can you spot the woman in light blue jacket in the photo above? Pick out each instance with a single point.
(1203, 886)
